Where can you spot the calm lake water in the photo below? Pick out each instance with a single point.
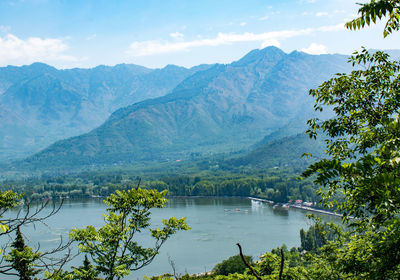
(217, 225)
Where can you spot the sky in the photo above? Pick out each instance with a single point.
(155, 33)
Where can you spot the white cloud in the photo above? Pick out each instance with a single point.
(177, 35)
(315, 48)
(16, 51)
(321, 14)
(243, 23)
(264, 18)
(153, 47)
(271, 42)
(329, 28)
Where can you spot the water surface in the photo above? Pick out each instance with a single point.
(217, 225)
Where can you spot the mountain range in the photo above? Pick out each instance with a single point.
(40, 104)
(217, 108)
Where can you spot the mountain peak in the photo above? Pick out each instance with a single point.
(132, 68)
(257, 55)
(173, 66)
(271, 50)
(39, 66)
(298, 53)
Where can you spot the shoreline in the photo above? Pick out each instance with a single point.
(262, 200)
(295, 206)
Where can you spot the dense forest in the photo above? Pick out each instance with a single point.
(276, 185)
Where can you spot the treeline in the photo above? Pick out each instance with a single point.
(276, 185)
(278, 188)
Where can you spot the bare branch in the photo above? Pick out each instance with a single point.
(247, 264)
(282, 263)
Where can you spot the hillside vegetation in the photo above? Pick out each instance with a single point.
(224, 108)
(41, 104)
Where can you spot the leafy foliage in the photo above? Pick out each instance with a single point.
(18, 259)
(364, 156)
(317, 235)
(112, 247)
(85, 272)
(363, 149)
(8, 200)
(231, 265)
(377, 9)
(23, 258)
(363, 165)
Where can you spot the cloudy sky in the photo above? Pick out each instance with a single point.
(154, 33)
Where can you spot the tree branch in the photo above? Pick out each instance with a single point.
(282, 263)
(247, 264)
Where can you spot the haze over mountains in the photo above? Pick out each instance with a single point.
(40, 104)
(211, 109)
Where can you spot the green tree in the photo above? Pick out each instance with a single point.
(18, 258)
(317, 235)
(85, 272)
(113, 247)
(8, 200)
(361, 176)
(231, 265)
(268, 264)
(22, 258)
(364, 146)
(364, 162)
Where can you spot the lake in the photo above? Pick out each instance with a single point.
(217, 225)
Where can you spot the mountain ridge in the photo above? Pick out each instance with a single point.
(223, 108)
(57, 104)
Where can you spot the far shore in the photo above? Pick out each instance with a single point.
(262, 200)
(298, 206)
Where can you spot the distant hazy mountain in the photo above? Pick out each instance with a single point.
(40, 104)
(223, 108)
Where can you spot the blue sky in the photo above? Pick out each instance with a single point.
(154, 33)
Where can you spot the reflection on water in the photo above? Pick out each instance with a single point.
(217, 225)
(281, 211)
(206, 201)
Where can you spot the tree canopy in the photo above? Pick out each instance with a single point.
(370, 12)
(363, 148)
(362, 170)
(113, 247)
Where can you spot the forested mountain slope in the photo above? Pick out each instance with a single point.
(286, 152)
(40, 104)
(221, 109)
